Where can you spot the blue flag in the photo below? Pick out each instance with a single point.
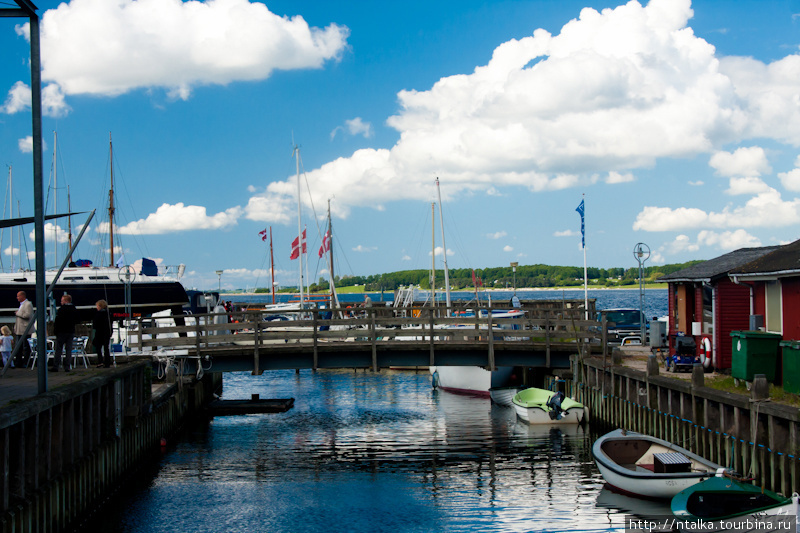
(583, 231)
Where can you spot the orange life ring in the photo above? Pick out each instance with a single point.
(705, 352)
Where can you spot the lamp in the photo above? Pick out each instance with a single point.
(514, 269)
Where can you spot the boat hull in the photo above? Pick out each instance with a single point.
(724, 500)
(471, 380)
(148, 296)
(531, 406)
(504, 395)
(537, 415)
(635, 474)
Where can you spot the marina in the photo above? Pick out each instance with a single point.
(316, 392)
(357, 445)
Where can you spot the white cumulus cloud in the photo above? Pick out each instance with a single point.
(176, 45)
(766, 209)
(791, 180)
(612, 92)
(724, 241)
(748, 162)
(355, 126)
(18, 99)
(616, 177)
(566, 233)
(178, 217)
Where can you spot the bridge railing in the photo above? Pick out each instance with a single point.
(561, 329)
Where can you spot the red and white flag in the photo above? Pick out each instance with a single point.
(263, 234)
(326, 243)
(296, 246)
(476, 281)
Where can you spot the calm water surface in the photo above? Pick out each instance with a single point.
(369, 452)
(655, 300)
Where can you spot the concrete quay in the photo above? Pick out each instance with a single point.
(66, 450)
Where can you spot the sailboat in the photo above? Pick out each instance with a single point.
(472, 380)
(150, 290)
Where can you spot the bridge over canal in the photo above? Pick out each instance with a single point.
(374, 338)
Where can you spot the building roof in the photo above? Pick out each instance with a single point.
(720, 266)
(783, 260)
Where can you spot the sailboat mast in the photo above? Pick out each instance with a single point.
(69, 222)
(111, 201)
(11, 214)
(19, 239)
(444, 250)
(55, 195)
(299, 221)
(433, 254)
(334, 298)
(271, 265)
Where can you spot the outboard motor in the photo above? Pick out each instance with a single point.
(554, 403)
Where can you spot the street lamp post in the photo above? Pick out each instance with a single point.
(219, 280)
(514, 269)
(642, 253)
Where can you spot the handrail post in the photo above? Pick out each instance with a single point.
(139, 342)
(314, 338)
(604, 334)
(198, 334)
(547, 338)
(374, 337)
(492, 366)
(256, 341)
(430, 313)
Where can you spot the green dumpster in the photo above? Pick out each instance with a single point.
(754, 352)
(791, 366)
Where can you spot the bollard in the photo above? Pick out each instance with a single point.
(760, 388)
(698, 375)
(652, 365)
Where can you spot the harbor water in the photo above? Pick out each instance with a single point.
(655, 300)
(368, 452)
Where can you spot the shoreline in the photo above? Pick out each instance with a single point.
(519, 289)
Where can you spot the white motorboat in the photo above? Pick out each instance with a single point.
(541, 406)
(649, 467)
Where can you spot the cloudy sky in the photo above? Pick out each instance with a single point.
(677, 121)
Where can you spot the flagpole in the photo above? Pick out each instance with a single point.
(271, 266)
(585, 272)
(299, 222)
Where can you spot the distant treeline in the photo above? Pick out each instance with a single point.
(502, 277)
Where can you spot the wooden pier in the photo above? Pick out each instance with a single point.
(370, 337)
(754, 436)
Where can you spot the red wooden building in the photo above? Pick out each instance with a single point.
(706, 303)
(773, 284)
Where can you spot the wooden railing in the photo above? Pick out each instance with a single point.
(564, 329)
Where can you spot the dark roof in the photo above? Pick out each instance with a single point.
(785, 259)
(720, 266)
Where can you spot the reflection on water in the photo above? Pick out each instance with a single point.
(367, 452)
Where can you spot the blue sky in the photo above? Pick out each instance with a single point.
(679, 121)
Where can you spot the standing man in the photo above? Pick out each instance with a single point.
(24, 316)
(66, 317)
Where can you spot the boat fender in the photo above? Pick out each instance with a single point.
(721, 472)
(554, 403)
(705, 352)
(435, 379)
